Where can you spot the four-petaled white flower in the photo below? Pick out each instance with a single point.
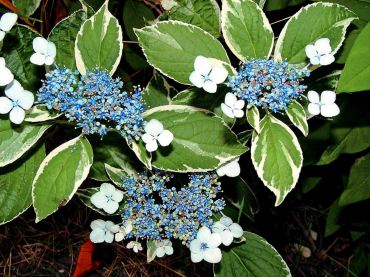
(205, 247)
(207, 74)
(163, 247)
(45, 52)
(101, 231)
(231, 169)
(320, 52)
(134, 245)
(121, 231)
(6, 76)
(16, 101)
(154, 134)
(324, 105)
(7, 22)
(232, 106)
(227, 229)
(107, 198)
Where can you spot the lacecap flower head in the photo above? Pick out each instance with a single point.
(95, 101)
(268, 84)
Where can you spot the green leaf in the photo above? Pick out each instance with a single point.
(64, 35)
(150, 250)
(17, 51)
(60, 175)
(204, 14)
(246, 29)
(273, 5)
(39, 113)
(158, 92)
(356, 72)
(16, 185)
(315, 21)
(26, 7)
(347, 46)
(99, 43)
(332, 221)
(358, 188)
(116, 175)
(241, 196)
(135, 16)
(297, 115)
(172, 46)
(202, 141)
(16, 141)
(276, 156)
(253, 258)
(136, 60)
(253, 117)
(141, 153)
(85, 196)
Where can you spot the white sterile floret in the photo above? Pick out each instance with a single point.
(207, 74)
(107, 198)
(324, 105)
(232, 106)
(205, 247)
(230, 169)
(45, 51)
(163, 247)
(6, 76)
(7, 22)
(101, 231)
(227, 229)
(320, 52)
(154, 134)
(134, 245)
(121, 231)
(16, 101)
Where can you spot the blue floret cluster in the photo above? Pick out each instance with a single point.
(95, 101)
(268, 84)
(158, 212)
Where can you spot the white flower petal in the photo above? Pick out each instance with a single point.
(236, 230)
(227, 110)
(6, 76)
(7, 21)
(117, 195)
(115, 228)
(239, 104)
(2, 62)
(151, 146)
(238, 113)
(17, 115)
(218, 74)
(214, 240)
(27, 99)
(328, 97)
(330, 110)
(98, 199)
(204, 234)
(97, 236)
(313, 97)
(195, 246)
(230, 99)
(14, 90)
(38, 59)
(213, 255)
(109, 237)
(314, 109)
(2, 35)
(119, 237)
(327, 59)
(218, 227)
(221, 171)
(5, 105)
(40, 45)
(202, 65)
(197, 257)
(233, 169)
(227, 237)
(49, 60)
(165, 138)
(107, 189)
(210, 86)
(322, 46)
(196, 79)
(128, 227)
(310, 51)
(97, 224)
(168, 250)
(110, 207)
(154, 127)
(160, 252)
(147, 138)
(52, 50)
(315, 60)
(130, 244)
(226, 221)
